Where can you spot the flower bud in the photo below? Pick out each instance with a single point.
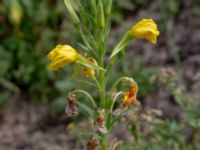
(108, 7)
(100, 15)
(89, 72)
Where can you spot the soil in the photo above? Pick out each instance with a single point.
(25, 126)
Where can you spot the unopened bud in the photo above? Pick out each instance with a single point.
(100, 15)
(108, 7)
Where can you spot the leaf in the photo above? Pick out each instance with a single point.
(86, 108)
(109, 121)
(134, 130)
(76, 70)
(92, 134)
(85, 62)
(5, 100)
(58, 106)
(9, 85)
(90, 52)
(122, 44)
(196, 11)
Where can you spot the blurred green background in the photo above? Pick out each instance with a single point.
(29, 29)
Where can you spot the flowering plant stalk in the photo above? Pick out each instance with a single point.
(92, 20)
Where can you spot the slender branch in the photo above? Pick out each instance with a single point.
(121, 79)
(114, 100)
(87, 94)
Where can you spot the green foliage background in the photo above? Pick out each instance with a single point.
(44, 24)
(24, 47)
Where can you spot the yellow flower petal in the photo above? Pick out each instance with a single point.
(62, 55)
(146, 29)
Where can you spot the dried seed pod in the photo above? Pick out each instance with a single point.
(71, 108)
(100, 125)
(92, 144)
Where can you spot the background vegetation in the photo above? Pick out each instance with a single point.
(168, 74)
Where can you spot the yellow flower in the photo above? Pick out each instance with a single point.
(62, 55)
(147, 29)
(130, 96)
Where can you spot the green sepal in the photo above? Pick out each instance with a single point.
(76, 70)
(122, 44)
(87, 50)
(85, 62)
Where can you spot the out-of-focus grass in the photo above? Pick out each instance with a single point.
(29, 30)
(43, 24)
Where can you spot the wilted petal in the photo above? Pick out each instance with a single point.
(130, 97)
(100, 125)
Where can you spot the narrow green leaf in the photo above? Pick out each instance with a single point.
(85, 62)
(86, 108)
(76, 70)
(9, 85)
(134, 130)
(121, 45)
(90, 52)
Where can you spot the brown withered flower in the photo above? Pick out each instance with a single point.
(130, 97)
(100, 125)
(71, 108)
(92, 144)
(88, 72)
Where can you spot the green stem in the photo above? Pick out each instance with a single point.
(101, 51)
(102, 84)
(88, 95)
(104, 142)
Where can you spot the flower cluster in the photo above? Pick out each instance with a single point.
(94, 30)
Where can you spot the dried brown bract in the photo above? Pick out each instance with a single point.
(71, 108)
